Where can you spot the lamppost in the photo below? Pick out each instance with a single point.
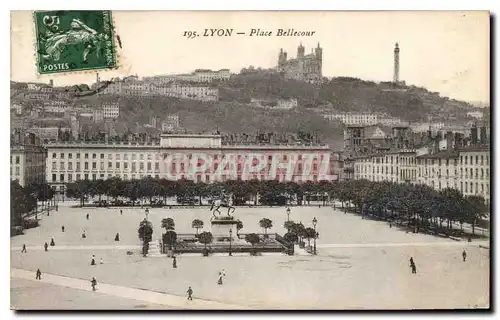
(315, 221)
(288, 213)
(230, 240)
(146, 212)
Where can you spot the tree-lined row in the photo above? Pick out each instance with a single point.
(270, 192)
(24, 200)
(417, 206)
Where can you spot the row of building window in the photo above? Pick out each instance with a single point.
(485, 173)
(480, 160)
(465, 188)
(199, 178)
(479, 173)
(149, 156)
(141, 166)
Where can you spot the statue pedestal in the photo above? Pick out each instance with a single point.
(221, 229)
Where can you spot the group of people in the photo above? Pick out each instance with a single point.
(414, 267)
(222, 274)
(92, 261)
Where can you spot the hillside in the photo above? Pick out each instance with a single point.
(198, 116)
(345, 94)
(233, 113)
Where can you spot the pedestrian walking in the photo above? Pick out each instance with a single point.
(117, 237)
(93, 283)
(87, 216)
(413, 266)
(62, 228)
(464, 255)
(52, 243)
(190, 293)
(101, 262)
(92, 262)
(38, 274)
(413, 269)
(84, 235)
(46, 246)
(220, 278)
(174, 263)
(24, 249)
(121, 212)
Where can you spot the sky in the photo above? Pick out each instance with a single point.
(444, 51)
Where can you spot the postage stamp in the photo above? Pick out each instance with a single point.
(69, 41)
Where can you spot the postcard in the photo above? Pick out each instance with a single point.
(250, 160)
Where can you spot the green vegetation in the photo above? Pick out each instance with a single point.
(197, 224)
(414, 206)
(265, 224)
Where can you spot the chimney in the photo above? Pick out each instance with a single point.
(435, 147)
(440, 135)
(473, 134)
(458, 141)
(449, 140)
(484, 137)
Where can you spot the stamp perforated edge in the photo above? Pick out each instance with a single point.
(74, 72)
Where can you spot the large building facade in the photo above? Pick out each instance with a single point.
(198, 157)
(304, 67)
(364, 118)
(446, 163)
(132, 86)
(199, 75)
(27, 159)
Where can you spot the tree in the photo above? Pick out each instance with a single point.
(170, 238)
(299, 229)
(475, 209)
(239, 226)
(288, 225)
(309, 234)
(22, 202)
(197, 224)
(168, 224)
(200, 188)
(115, 187)
(132, 190)
(78, 190)
(253, 239)
(99, 187)
(265, 224)
(290, 237)
(145, 234)
(205, 238)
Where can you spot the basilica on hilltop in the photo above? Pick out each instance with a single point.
(304, 67)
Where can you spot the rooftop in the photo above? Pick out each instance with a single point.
(447, 154)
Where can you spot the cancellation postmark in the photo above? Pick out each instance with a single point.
(69, 41)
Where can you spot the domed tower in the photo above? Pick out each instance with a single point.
(319, 56)
(300, 51)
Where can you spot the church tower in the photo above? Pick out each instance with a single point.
(281, 60)
(319, 56)
(300, 51)
(396, 64)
